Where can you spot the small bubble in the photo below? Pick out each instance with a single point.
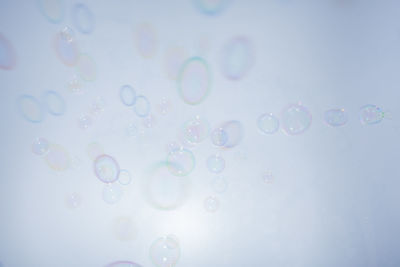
(211, 204)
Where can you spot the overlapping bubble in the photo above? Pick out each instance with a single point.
(54, 103)
(228, 134)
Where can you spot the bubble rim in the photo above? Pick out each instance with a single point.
(270, 115)
(148, 106)
(39, 4)
(112, 159)
(35, 101)
(192, 157)
(74, 14)
(119, 177)
(214, 156)
(44, 98)
(131, 89)
(223, 125)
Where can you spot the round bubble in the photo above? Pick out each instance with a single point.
(211, 7)
(146, 40)
(194, 81)
(196, 130)
(73, 200)
(123, 264)
(268, 123)
(219, 184)
(371, 114)
(174, 58)
(106, 168)
(211, 204)
(85, 121)
(181, 162)
(219, 137)
(58, 158)
(112, 193)
(228, 134)
(52, 10)
(30, 108)
(94, 150)
(142, 106)
(127, 95)
(125, 177)
(295, 119)
(7, 54)
(237, 58)
(66, 50)
(124, 229)
(164, 107)
(335, 117)
(86, 67)
(83, 18)
(215, 164)
(40, 146)
(165, 251)
(54, 103)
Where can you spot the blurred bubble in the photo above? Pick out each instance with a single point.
(75, 85)
(146, 40)
(194, 81)
(58, 158)
(211, 204)
(219, 137)
(7, 54)
(173, 145)
(335, 117)
(215, 164)
(94, 150)
(112, 193)
(97, 107)
(67, 34)
(52, 10)
(295, 119)
(85, 121)
(237, 58)
(86, 67)
(149, 121)
(73, 200)
(228, 134)
(174, 58)
(124, 229)
(181, 162)
(219, 184)
(211, 7)
(127, 95)
(40, 146)
(125, 177)
(371, 114)
(83, 18)
(66, 50)
(132, 130)
(268, 177)
(142, 106)
(54, 103)
(196, 130)
(30, 108)
(268, 123)
(164, 106)
(165, 251)
(123, 264)
(106, 168)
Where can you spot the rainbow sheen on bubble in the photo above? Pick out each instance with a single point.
(295, 119)
(371, 114)
(146, 40)
(228, 134)
(66, 50)
(219, 137)
(106, 168)
(215, 163)
(196, 130)
(127, 95)
(123, 264)
(112, 193)
(268, 123)
(211, 7)
(7, 54)
(335, 117)
(40, 146)
(165, 251)
(211, 204)
(142, 106)
(83, 18)
(86, 67)
(125, 177)
(58, 158)
(181, 162)
(124, 228)
(30, 108)
(54, 103)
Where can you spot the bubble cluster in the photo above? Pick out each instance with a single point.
(211, 7)
(215, 163)
(54, 103)
(123, 264)
(371, 114)
(295, 119)
(40, 146)
(83, 18)
(181, 162)
(268, 123)
(125, 177)
(196, 130)
(57, 158)
(127, 95)
(165, 251)
(228, 134)
(211, 204)
(124, 229)
(146, 40)
(7, 54)
(106, 168)
(112, 193)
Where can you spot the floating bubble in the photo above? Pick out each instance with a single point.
(124, 229)
(146, 40)
(228, 134)
(171, 146)
(73, 200)
(196, 130)
(94, 150)
(215, 164)
(106, 168)
(295, 119)
(86, 67)
(211, 204)
(97, 106)
(85, 121)
(335, 117)
(54, 103)
(149, 121)
(66, 50)
(165, 251)
(237, 58)
(67, 34)
(181, 162)
(142, 106)
(132, 130)
(268, 177)
(52, 10)
(194, 81)
(174, 58)
(371, 114)
(125, 177)
(83, 18)
(30, 108)
(219, 137)
(40, 146)
(127, 95)
(7, 54)
(123, 264)
(211, 7)
(58, 158)
(112, 193)
(268, 123)
(219, 184)
(164, 107)
(75, 85)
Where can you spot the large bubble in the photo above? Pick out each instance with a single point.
(165, 251)
(296, 119)
(7, 54)
(106, 168)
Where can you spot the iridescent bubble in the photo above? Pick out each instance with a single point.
(215, 164)
(267, 177)
(196, 130)
(94, 150)
(228, 134)
(181, 162)
(125, 177)
(174, 58)
(123, 264)
(127, 95)
(237, 58)
(371, 114)
(165, 251)
(194, 81)
(66, 50)
(124, 229)
(142, 106)
(112, 193)
(219, 184)
(335, 117)
(30, 108)
(295, 119)
(85, 121)
(219, 137)
(67, 34)
(268, 123)
(86, 67)
(73, 200)
(106, 168)
(54, 103)
(211, 204)
(58, 158)
(7, 54)
(146, 40)
(211, 7)
(52, 10)
(83, 18)
(40, 146)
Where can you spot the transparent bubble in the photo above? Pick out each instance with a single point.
(196, 130)
(181, 162)
(268, 123)
(54, 103)
(295, 119)
(86, 67)
(124, 229)
(73, 201)
(94, 150)
(165, 251)
(66, 50)
(211, 7)
(228, 134)
(52, 10)
(335, 117)
(146, 40)
(173, 145)
(40, 146)
(219, 184)
(132, 130)
(106, 168)
(125, 177)
(7, 54)
(30, 108)
(211, 204)
(123, 264)
(268, 177)
(84, 121)
(67, 34)
(97, 107)
(149, 121)
(142, 106)
(75, 85)
(164, 107)
(58, 158)
(112, 193)
(219, 137)
(127, 95)
(237, 58)
(194, 81)
(371, 114)
(83, 18)
(215, 164)
(174, 58)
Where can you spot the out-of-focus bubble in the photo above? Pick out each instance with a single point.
(196, 130)
(94, 150)
(83, 18)
(237, 58)
(146, 40)
(124, 229)
(335, 117)
(125, 177)
(85, 121)
(142, 106)
(219, 184)
(7, 54)
(181, 162)
(73, 200)
(219, 137)
(66, 50)
(75, 85)
(371, 114)
(57, 158)
(127, 95)
(165, 251)
(30, 108)
(123, 264)
(163, 190)
(164, 106)
(295, 119)
(211, 7)
(97, 107)
(174, 58)
(211, 204)
(106, 168)
(54, 103)
(40, 146)
(268, 123)
(67, 34)
(112, 193)
(228, 134)
(267, 177)
(86, 67)
(194, 81)
(132, 130)
(52, 10)
(149, 121)
(215, 164)
(173, 145)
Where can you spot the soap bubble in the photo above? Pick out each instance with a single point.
(86, 67)
(181, 162)
(219, 137)
(124, 229)
(219, 184)
(125, 177)
(67, 34)
(268, 123)
(142, 106)
(52, 10)
(66, 50)
(268, 177)
(40, 146)
(196, 130)
(296, 119)
(211, 204)
(165, 251)
(106, 168)
(149, 121)
(335, 117)
(215, 164)
(84, 121)
(164, 106)
(123, 264)
(7, 54)
(73, 200)
(127, 95)
(58, 158)
(146, 40)
(371, 114)
(83, 18)
(30, 108)
(54, 103)
(228, 134)
(112, 193)
(211, 7)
